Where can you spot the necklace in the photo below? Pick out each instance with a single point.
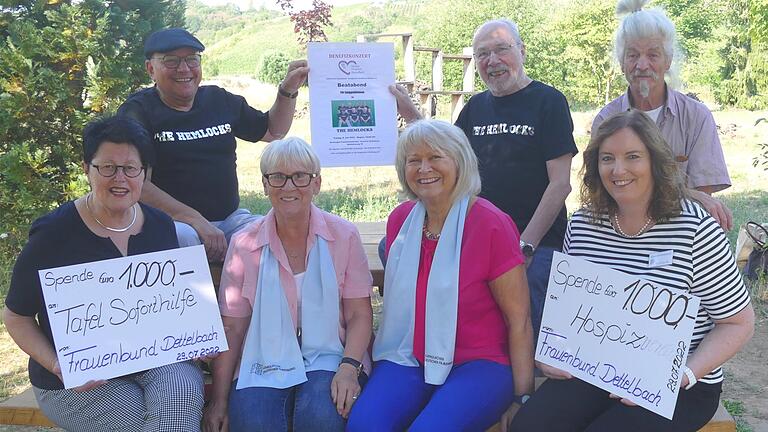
(290, 255)
(621, 231)
(429, 234)
(119, 230)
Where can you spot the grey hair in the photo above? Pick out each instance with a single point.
(638, 23)
(445, 138)
(502, 22)
(289, 151)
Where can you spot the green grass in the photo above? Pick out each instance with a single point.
(736, 409)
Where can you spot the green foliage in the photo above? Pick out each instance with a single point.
(366, 203)
(758, 14)
(568, 42)
(695, 20)
(590, 76)
(370, 21)
(743, 66)
(273, 67)
(61, 63)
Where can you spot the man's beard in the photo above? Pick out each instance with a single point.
(645, 89)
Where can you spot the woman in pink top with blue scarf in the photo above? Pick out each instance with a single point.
(454, 348)
(295, 300)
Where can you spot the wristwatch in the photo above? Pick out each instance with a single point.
(354, 363)
(521, 399)
(285, 93)
(527, 249)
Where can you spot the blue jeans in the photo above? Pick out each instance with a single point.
(236, 221)
(538, 278)
(473, 397)
(307, 406)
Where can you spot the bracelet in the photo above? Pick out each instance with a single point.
(691, 377)
(354, 363)
(282, 92)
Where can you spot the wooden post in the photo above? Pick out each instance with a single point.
(426, 100)
(408, 58)
(437, 70)
(469, 71)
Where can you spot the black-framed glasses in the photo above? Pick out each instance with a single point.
(499, 50)
(299, 179)
(174, 61)
(109, 170)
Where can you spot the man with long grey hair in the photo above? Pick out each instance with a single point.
(645, 47)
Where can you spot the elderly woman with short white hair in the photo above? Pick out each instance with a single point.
(295, 300)
(454, 347)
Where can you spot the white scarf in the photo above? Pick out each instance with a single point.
(394, 340)
(272, 356)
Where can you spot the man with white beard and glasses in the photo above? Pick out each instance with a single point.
(645, 47)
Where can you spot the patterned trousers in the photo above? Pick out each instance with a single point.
(165, 399)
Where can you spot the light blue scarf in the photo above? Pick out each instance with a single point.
(394, 340)
(271, 355)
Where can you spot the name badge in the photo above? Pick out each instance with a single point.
(660, 259)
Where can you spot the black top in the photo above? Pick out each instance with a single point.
(61, 238)
(196, 161)
(514, 136)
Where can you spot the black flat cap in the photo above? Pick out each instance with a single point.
(169, 40)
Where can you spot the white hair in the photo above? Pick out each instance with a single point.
(445, 138)
(289, 151)
(638, 23)
(502, 22)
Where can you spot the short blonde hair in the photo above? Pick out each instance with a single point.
(445, 138)
(289, 151)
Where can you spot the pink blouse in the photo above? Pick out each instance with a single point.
(490, 248)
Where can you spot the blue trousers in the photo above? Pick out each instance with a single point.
(307, 406)
(473, 398)
(538, 278)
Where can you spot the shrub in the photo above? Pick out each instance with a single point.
(273, 67)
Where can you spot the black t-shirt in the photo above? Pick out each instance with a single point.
(514, 136)
(61, 238)
(196, 162)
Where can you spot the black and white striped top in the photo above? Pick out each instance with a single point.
(702, 262)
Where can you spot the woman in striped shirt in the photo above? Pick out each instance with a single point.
(634, 207)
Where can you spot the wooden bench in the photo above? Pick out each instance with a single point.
(22, 409)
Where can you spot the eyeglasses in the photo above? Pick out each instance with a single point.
(500, 50)
(299, 179)
(173, 62)
(109, 170)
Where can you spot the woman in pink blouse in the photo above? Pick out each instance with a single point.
(295, 300)
(454, 348)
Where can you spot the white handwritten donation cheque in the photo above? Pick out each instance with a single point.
(353, 116)
(620, 333)
(124, 315)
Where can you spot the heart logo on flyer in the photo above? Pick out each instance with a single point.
(346, 66)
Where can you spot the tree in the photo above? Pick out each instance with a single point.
(61, 64)
(587, 30)
(743, 59)
(450, 25)
(309, 23)
(758, 13)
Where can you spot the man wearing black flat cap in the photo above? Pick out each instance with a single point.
(194, 129)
